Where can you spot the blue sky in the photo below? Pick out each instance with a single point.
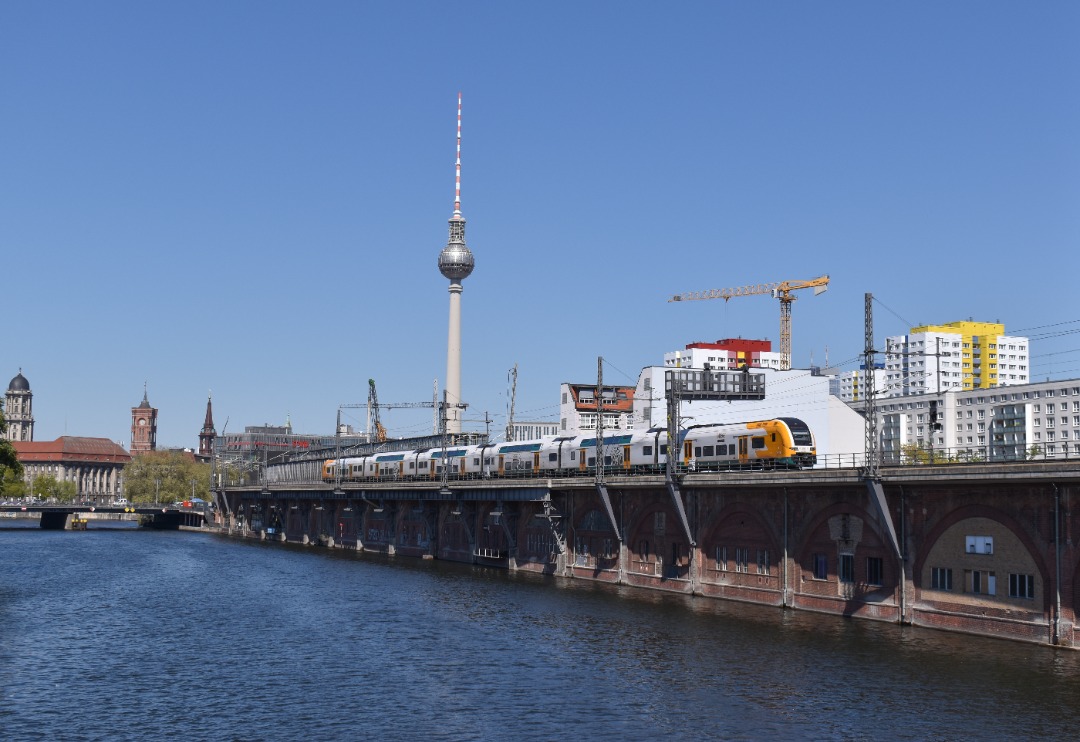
(250, 197)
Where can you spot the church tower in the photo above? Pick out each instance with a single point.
(208, 434)
(143, 426)
(19, 410)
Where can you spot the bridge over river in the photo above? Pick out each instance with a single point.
(76, 516)
(988, 548)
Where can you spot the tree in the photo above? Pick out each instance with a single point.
(166, 476)
(10, 468)
(12, 484)
(48, 487)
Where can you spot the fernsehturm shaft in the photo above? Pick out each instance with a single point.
(456, 263)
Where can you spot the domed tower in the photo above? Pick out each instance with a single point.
(456, 263)
(19, 410)
(143, 426)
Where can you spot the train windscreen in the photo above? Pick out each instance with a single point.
(800, 431)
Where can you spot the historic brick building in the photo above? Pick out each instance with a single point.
(95, 465)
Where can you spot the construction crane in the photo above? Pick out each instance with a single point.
(375, 426)
(781, 290)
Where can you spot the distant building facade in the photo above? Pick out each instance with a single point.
(19, 410)
(578, 408)
(1001, 424)
(527, 431)
(957, 356)
(732, 353)
(143, 427)
(95, 465)
(851, 386)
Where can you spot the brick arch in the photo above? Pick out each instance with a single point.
(980, 511)
(662, 548)
(803, 538)
(728, 528)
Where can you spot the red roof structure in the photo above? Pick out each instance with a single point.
(71, 448)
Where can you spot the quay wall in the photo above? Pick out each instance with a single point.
(980, 551)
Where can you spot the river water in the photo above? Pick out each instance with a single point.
(129, 634)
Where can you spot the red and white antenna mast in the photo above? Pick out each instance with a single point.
(457, 167)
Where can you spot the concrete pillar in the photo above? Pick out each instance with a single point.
(453, 361)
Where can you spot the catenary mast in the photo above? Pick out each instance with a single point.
(456, 263)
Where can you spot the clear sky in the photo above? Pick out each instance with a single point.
(250, 197)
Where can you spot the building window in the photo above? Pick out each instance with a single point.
(763, 561)
(846, 568)
(821, 567)
(941, 578)
(742, 560)
(1022, 586)
(721, 558)
(979, 545)
(874, 571)
(981, 582)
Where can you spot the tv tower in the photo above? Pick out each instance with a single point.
(456, 263)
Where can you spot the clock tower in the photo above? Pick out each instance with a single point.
(143, 426)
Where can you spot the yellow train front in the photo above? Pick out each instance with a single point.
(779, 443)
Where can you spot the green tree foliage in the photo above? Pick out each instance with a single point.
(9, 461)
(48, 487)
(12, 485)
(165, 476)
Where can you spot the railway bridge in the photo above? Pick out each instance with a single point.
(986, 548)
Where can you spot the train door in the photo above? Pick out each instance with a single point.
(744, 454)
(626, 458)
(501, 465)
(536, 462)
(688, 451)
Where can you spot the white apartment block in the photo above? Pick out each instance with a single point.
(1041, 419)
(957, 356)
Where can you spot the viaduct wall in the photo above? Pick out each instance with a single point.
(984, 550)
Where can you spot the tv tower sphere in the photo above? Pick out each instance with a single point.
(456, 260)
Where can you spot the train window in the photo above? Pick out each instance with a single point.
(573, 455)
(591, 461)
(663, 449)
(476, 461)
(646, 450)
(731, 449)
(423, 465)
(757, 443)
(411, 465)
(553, 457)
(707, 451)
(697, 452)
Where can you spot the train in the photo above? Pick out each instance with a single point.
(778, 443)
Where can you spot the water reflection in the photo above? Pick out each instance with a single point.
(267, 641)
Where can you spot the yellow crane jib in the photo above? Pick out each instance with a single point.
(781, 290)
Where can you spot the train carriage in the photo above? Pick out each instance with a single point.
(784, 442)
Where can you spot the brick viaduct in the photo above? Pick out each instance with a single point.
(982, 548)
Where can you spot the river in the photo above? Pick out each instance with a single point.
(118, 633)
